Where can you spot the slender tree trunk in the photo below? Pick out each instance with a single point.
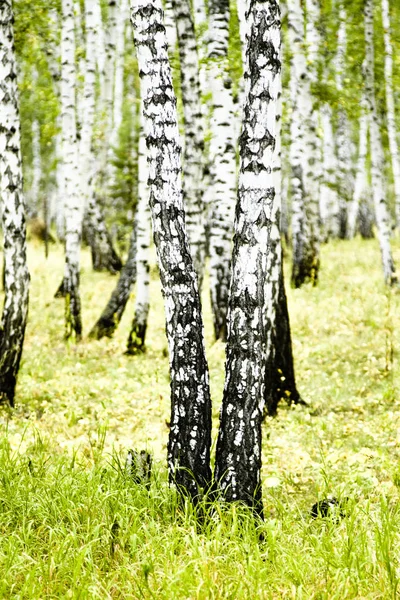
(36, 170)
(382, 215)
(391, 115)
(193, 159)
(361, 183)
(329, 202)
(73, 204)
(343, 131)
(305, 197)
(137, 335)
(104, 256)
(111, 315)
(118, 87)
(190, 434)
(15, 274)
(238, 458)
(223, 164)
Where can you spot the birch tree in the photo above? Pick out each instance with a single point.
(72, 203)
(16, 275)
(193, 160)
(329, 202)
(190, 433)
(361, 182)
(137, 334)
(377, 157)
(343, 141)
(223, 164)
(110, 318)
(390, 107)
(238, 458)
(305, 198)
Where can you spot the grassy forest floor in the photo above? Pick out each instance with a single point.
(73, 525)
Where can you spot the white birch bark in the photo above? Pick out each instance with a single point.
(81, 63)
(119, 70)
(390, 107)
(329, 203)
(137, 335)
(72, 202)
(100, 42)
(190, 433)
(361, 182)
(382, 215)
(238, 457)
(107, 92)
(193, 160)
(88, 104)
(304, 147)
(36, 169)
(16, 275)
(170, 26)
(344, 150)
(223, 164)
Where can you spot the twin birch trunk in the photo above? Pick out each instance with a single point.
(238, 458)
(16, 275)
(382, 215)
(190, 434)
(72, 202)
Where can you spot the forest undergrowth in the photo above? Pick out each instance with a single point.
(73, 524)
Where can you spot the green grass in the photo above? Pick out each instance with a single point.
(73, 525)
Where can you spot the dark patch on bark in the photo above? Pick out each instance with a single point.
(280, 381)
(111, 315)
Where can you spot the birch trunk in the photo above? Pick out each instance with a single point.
(382, 215)
(15, 273)
(137, 335)
(190, 433)
(305, 198)
(361, 175)
(391, 115)
(193, 160)
(343, 141)
(223, 165)
(118, 85)
(329, 202)
(238, 458)
(104, 257)
(72, 202)
(111, 316)
(36, 170)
